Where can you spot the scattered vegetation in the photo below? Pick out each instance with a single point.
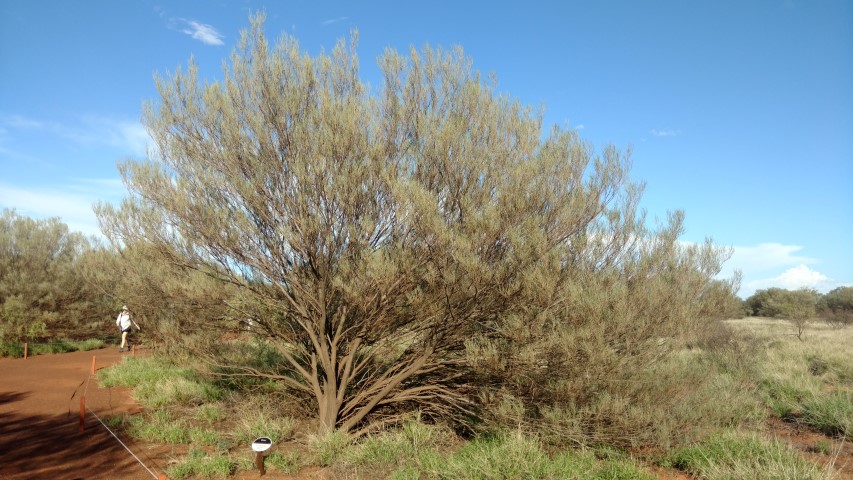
(417, 283)
(732, 455)
(16, 349)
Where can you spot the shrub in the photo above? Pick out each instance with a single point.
(733, 456)
(156, 382)
(832, 414)
(199, 464)
(518, 456)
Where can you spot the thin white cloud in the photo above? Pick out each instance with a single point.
(127, 136)
(765, 257)
(773, 264)
(580, 127)
(333, 20)
(203, 32)
(665, 133)
(71, 203)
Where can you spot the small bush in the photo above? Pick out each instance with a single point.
(257, 417)
(733, 456)
(157, 383)
(831, 414)
(209, 413)
(203, 436)
(90, 344)
(518, 456)
(197, 464)
(159, 426)
(286, 463)
(329, 448)
(11, 349)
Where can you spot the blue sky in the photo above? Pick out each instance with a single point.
(740, 113)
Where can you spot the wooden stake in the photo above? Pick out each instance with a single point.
(259, 462)
(133, 350)
(25, 350)
(93, 364)
(82, 411)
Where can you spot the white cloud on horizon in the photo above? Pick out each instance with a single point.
(800, 276)
(203, 32)
(774, 264)
(766, 257)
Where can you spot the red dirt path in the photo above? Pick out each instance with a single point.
(39, 420)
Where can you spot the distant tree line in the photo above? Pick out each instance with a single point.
(56, 283)
(835, 307)
(42, 267)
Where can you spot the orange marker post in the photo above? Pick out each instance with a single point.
(25, 350)
(82, 411)
(133, 350)
(162, 477)
(93, 364)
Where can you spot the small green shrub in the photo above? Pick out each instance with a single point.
(258, 417)
(395, 447)
(733, 456)
(286, 463)
(329, 448)
(198, 464)
(11, 349)
(832, 414)
(203, 436)
(157, 383)
(209, 413)
(518, 456)
(90, 344)
(159, 426)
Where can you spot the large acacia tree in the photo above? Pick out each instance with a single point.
(371, 232)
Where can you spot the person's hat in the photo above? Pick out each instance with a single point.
(124, 307)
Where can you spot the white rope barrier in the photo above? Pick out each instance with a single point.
(85, 391)
(122, 443)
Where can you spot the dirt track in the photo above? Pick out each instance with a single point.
(40, 418)
(39, 421)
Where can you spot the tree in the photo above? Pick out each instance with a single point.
(765, 302)
(836, 306)
(372, 235)
(41, 288)
(799, 306)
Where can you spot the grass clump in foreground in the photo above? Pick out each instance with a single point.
(516, 455)
(807, 382)
(157, 383)
(732, 455)
(419, 451)
(199, 464)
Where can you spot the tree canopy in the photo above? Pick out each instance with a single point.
(386, 241)
(41, 287)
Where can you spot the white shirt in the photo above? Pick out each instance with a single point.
(123, 320)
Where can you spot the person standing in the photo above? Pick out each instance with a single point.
(124, 323)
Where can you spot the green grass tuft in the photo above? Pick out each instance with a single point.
(731, 456)
(199, 464)
(157, 383)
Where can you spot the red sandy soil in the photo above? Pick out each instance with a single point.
(40, 435)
